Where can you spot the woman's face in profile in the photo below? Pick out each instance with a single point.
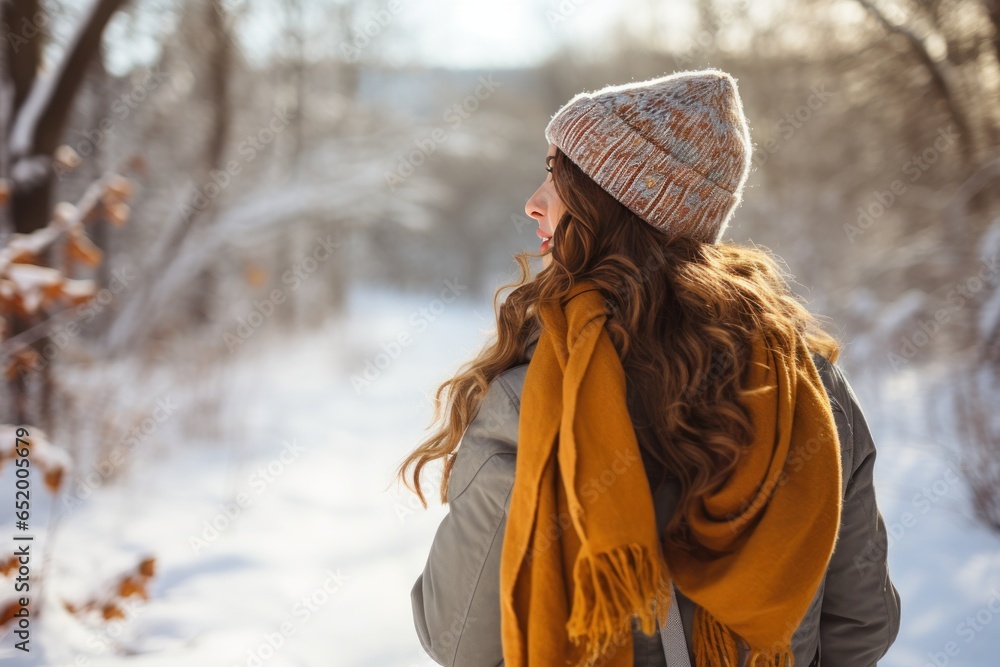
(546, 208)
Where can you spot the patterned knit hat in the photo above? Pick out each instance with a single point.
(674, 150)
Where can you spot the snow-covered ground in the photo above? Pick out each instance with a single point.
(288, 545)
(945, 565)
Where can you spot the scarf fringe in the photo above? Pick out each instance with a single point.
(769, 658)
(715, 646)
(613, 587)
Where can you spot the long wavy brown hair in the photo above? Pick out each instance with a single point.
(682, 315)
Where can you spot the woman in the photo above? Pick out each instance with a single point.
(644, 339)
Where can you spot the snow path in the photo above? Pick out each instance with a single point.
(317, 566)
(944, 564)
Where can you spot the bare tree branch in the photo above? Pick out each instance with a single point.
(940, 78)
(142, 307)
(39, 123)
(22, 52)
(993, 10)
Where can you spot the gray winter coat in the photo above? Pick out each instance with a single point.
(853, 619)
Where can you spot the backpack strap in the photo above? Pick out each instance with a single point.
(672, 635)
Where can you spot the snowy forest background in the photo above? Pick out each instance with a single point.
(242, 241)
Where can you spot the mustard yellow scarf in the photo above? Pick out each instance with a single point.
(581, 555)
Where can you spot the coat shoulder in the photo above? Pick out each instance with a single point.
(512, 380)
(492, 432)
(856, 442)
(833, 380)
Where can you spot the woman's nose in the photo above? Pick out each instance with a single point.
(533, 207)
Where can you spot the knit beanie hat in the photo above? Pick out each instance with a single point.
(675, 150)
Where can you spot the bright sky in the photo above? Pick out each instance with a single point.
(513, 33)
(449, 33)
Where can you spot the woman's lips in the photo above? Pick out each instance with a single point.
(546, 240)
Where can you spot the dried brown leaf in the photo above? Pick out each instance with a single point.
(82, 249)
(53, 479)
(119, 188)
(8, 565)
(27, 248)
(117, 212)
(110, 610)
(147, 566)
(9, 612)
(26, 358)
(133, 586)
